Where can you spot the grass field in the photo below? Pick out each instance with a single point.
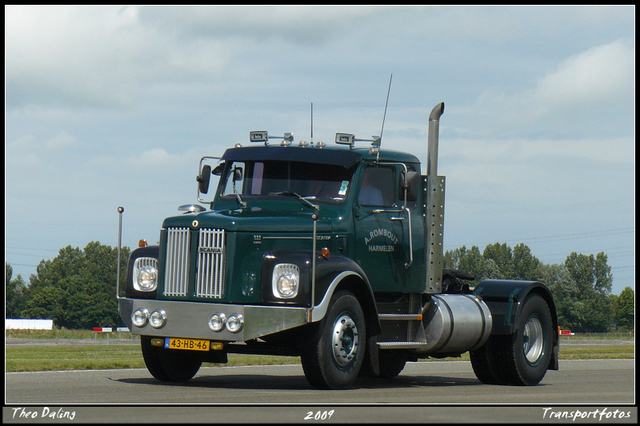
(84, 350)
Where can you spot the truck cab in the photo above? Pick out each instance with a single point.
(333, 254)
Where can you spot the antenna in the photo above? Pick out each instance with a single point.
(385, 107)
(311, 121)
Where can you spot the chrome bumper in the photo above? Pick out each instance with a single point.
(190, 320)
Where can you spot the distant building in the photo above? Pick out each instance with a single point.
(28, 324)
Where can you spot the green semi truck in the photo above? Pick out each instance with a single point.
(333, 254)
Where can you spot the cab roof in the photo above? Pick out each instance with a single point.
(345, 157)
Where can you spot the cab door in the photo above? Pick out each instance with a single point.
(382, 229)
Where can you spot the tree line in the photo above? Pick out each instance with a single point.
(581, 286)
(77, 288)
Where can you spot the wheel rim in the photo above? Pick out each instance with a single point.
(344, 340)
(533, 342)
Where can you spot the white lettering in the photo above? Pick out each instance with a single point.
(388, 249)
(385, 233)
(577, 414)
(24, 414)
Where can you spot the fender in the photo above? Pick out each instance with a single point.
(332, 273)
(505, 299)
(340, 272)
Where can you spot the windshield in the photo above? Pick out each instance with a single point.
(322, 182)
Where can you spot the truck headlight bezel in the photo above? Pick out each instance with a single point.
(145, 274)
(217, 321)
(140, 317)
(234, 323)
(285, 281)
(158, 318)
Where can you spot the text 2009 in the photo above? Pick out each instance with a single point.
(319, 415)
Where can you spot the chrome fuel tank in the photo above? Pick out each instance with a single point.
(456, 323)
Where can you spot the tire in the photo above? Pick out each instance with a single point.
(370, 365)
(522, 358)
(531, 345)
(392, 362)
(168, 365)
(334, 353)
(485, 361)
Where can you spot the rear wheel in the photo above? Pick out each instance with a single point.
(334, 353)
(169, 365)
(531, 346)
(521, 358)
(486, 361)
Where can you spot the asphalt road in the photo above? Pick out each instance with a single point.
(424, 392)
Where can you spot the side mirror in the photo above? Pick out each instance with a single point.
(218, 170)
(203, 179)
(412, 185)
(237, 174)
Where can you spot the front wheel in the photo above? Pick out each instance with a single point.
(334, 353)
(169, 365)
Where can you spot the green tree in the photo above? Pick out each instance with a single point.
(469, 260)
(525, 265)
(502, 256)
(583, 293)
(15, 289)
(498, 261)
(566, 295)
(624, 312)
(77, 288)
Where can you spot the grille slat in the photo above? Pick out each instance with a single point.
(177, 270)
(210, 263)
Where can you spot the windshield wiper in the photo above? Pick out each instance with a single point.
(300, 197)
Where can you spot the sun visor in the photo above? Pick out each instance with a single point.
(344, 158)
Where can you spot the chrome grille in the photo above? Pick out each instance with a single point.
(176, 279)
(210, 263)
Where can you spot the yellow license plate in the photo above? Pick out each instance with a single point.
(186, 344)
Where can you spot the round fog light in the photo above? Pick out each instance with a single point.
(235, 323)
(217, 321)
(158, 318)
(139, 317)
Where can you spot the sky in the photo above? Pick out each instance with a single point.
(110, 106)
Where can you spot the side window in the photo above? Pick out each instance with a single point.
(235, 178)
(378, 187)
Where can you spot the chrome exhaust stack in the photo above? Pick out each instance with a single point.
(434, 207)
(434, 130)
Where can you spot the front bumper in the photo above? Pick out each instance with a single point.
(191, 319)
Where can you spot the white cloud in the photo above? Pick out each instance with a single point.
(95, 56)
(22, 152)
(601, 74)
(588, 93)
(156, 157)
(61, 141)
(295, 24)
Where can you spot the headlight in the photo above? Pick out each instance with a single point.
(285, 280)
(158, 318)
(140, 317)
(217, 321)
(235, 323)
(145, 274)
